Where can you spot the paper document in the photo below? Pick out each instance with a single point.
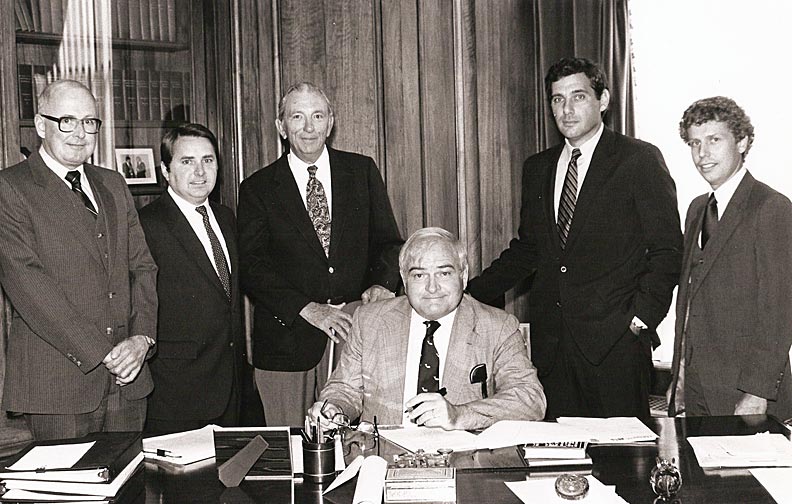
(429, 439)
(52, 457)
(614, 430)
(512, 433)
(371, 481)
(349, 473)
(757, 450)
(543, 490)
(25, 495)
(181, 448)
(776, 482)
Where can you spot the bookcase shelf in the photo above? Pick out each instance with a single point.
(54, 39)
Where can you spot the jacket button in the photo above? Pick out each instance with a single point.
(558, 304)
(563, 269)
(331, 270)
(109, 330)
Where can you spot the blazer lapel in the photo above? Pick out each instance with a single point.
(288, 194)
(183, 233)
(548, 192)
(691, 243)
(396, 333)
(62, 202)
(726, 226)
(107, 212)
(342, 200)
(460, 346)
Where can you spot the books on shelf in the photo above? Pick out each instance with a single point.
(274, 463)
(145, 20)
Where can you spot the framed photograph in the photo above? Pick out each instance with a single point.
(138, 167)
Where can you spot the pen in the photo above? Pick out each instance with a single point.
(442, 392)
(160, 452)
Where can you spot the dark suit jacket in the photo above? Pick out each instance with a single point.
(283, 266)
(72, 303)
(622, 256)
(201, 346)
(739, 324)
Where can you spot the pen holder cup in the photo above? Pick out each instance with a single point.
(319, 462)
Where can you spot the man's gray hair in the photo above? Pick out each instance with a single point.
(302, 87)
(422, 239)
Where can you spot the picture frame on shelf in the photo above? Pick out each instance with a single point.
(139, 169)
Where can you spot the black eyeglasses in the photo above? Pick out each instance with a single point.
(67, 124)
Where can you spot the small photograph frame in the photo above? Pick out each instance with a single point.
(139, 169)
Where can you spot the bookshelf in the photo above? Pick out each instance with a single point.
(141, 58)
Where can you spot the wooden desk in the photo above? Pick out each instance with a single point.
(626, 467)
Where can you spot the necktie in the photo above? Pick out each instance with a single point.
(318, 209)
(429, 368)
(217, 252)
(73, 177)
(566, 205)
(710, 220)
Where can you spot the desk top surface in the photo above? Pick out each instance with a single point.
(480, 476)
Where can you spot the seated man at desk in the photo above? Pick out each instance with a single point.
(422, 358)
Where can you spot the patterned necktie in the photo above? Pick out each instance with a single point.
(566, 205)
(710, 223)
(217, 252)
(318, 210)
(73, 177)
(429, 368)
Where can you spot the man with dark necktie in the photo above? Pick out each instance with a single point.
(200, 361)
(75, 266)
(734, 322)
(411, 360)
(316, 231)
(599, 241)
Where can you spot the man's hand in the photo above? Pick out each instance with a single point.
(376, 293)
(750, 404)
(324, 414)
(430, 409)
(126, 359)
(329, 318)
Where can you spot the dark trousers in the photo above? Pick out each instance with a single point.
(114, 414)
(229, 418)
(617, 386)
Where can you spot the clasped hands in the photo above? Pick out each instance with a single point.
(334, 322)
(126, 359)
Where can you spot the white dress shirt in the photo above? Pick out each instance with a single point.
(414, 344)
(299, 169)
(583, 162)
(196, 223)
(61, 172)
(724, 193)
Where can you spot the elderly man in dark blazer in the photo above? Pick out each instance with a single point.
(600, 241)
(734, 322)
(200, 356)
(316, 231)
(75, 265)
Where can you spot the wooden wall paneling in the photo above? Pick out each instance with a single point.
(303, 47)
(402, 113)
(467, 130)
(436, 64)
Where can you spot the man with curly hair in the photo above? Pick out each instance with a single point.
(733, 325)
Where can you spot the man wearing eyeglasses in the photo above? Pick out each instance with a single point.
(75, 266)
(412, 360)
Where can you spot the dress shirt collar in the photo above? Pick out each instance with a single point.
(322, 164)
(587, 147)
(59, 169)
(185, 206)
(724, 193)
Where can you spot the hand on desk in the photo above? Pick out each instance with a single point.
(750, 404)
(432, 410)
(126, 359)
(329, 318)
(376, 293)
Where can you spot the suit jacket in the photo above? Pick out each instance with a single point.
(369, 379)
(200, 346)
(78, 285)
(622, 256)
(283, 266)
(735, 314)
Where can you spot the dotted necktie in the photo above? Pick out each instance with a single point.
(566, 205)
(217, 252)
(710, 223)
(318, 209)
(73, 177)
(429, 369)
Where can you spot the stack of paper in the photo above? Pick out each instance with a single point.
(757, 450)
(181, 448)
(543, 490)
(430, 439)
(614, 430)
(776, 482)
(513, 432)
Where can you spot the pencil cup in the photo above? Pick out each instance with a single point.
(319, 462)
